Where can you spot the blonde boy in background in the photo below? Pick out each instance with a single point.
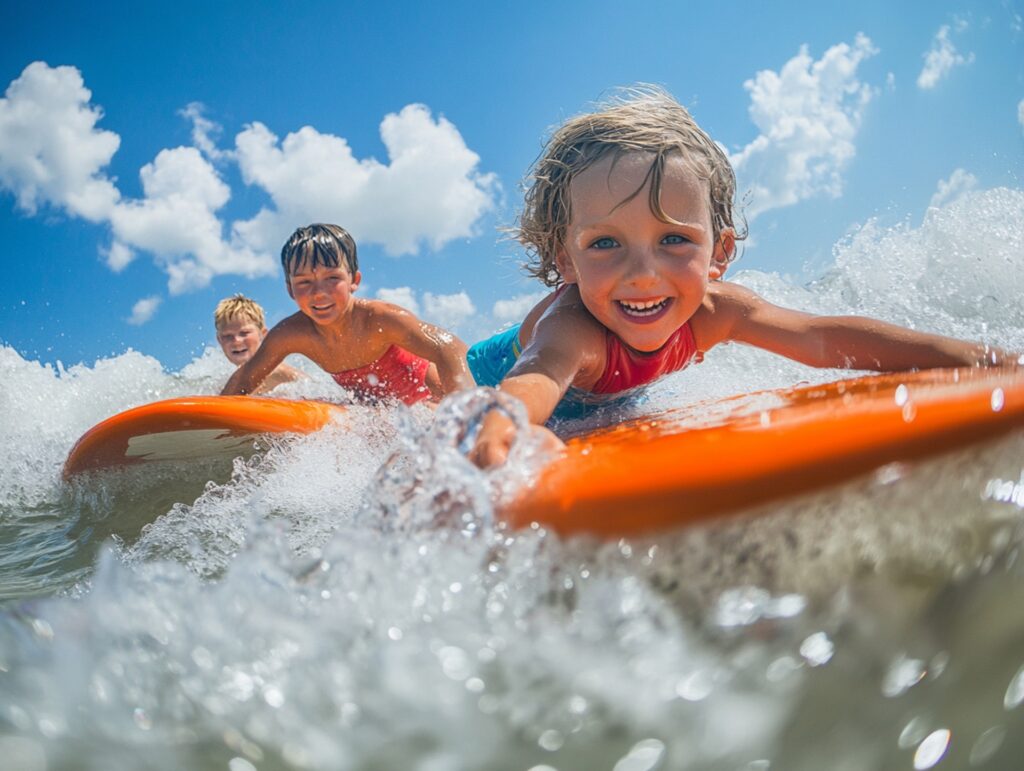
(241, 327)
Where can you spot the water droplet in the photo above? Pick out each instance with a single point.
(903, 675)
(930, 751)
(817, 649)
(1015, 692)
(273, 697)
(643, 756)
(695, 686)
(902, 395)
(551, 740)
(998, 400)
(987, 745)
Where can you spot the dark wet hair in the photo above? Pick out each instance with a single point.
(319, 244)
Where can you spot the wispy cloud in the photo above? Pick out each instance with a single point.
(960, 183)
(205, 132)
(514, 309)
(941, 58)
(808, 114)
(401, 295)
(52, 153)
(144, 310)
(446, 310)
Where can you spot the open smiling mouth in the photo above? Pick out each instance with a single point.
(644, 308)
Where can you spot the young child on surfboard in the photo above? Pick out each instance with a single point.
(629, 218)
(241, 326)
(377, 350)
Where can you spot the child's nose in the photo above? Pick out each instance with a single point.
(642, 267)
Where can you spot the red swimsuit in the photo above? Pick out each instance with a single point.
(397, 374)
(626, 368)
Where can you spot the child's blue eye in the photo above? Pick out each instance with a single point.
(605, 243)
(674, 239)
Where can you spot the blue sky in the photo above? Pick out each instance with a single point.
(153, 157)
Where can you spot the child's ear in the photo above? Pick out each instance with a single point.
(356, 279)
(565, 267)
(725, 247)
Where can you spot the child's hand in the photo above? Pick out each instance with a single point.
(497, 432)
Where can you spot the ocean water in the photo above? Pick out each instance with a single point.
(347, 601)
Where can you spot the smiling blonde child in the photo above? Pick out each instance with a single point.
(629, 218)
(377, 350)
(241, 327)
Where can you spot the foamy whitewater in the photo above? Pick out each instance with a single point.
(346, 601)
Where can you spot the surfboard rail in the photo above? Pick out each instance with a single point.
(651, 474)
(110, 443)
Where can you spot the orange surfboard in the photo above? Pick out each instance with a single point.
(191, 427)
(653, 474)
(665, 472)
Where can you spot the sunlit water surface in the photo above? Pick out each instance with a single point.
(308, 610)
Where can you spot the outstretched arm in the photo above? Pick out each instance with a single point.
(446, 351)
(848, 342)
(564, 349)
(268, 356)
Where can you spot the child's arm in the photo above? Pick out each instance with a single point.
(272, 351)
(848, 342)
(565, 348)
(446, 351)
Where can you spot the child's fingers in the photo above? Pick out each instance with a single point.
(489, 454)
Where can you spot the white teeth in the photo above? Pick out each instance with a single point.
(645, 308)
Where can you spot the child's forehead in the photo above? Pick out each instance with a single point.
(238, 324)
(308, 268)
(614, 179)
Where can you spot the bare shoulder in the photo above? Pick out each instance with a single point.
(566, 332)
(565, 320)
(725, 305)
(381, 316)
(294, 334)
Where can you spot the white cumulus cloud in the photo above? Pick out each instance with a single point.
(50, 149)
(143, 310)
(447, 310)
(960, 183)
(514, 309)
(176, 221)
(52, 153)
(808, 114)
(401, 295)
(430, 192)
(941, 58)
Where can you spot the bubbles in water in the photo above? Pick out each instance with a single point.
(931, 750)
(1014, 696)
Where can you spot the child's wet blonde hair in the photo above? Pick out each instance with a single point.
(238, 307)
(644, 119)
